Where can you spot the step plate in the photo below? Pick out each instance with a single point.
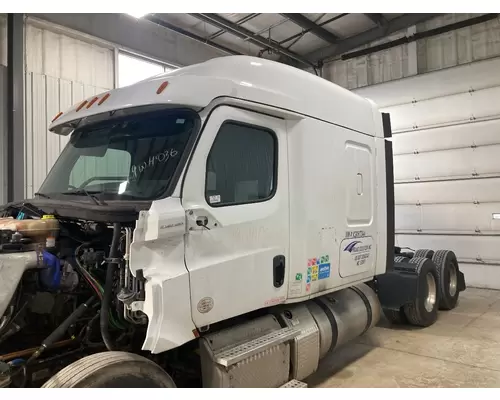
(233, 355)
(294, 384)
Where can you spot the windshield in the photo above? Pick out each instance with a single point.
(128, 158)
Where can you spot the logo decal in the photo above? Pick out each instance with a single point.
(359, 251)
(205, 305)
(350, 246)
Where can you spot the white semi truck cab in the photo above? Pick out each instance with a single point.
(227, 224)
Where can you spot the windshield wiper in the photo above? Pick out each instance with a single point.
(81, 191)
(42, 195)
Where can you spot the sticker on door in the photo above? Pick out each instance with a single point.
(318, 268)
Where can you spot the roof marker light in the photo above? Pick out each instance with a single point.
(92, 102)
(81, 105)
(162, 87)
(57, 116)
(105, 97)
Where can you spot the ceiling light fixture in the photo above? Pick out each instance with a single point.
(137, 14)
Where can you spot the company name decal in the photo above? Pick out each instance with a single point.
(359, 253)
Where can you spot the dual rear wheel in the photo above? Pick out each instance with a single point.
(423, 309)
(438, 285)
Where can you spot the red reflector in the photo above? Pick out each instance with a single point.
(162, 87)
(81, 105)
(103, 99)
(57, 116)
(92, 102)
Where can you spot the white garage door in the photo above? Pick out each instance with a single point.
(446, 127)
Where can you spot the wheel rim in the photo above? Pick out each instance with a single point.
(453, 281)
(430, 301)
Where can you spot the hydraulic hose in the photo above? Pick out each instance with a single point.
(108, 288)
(59, 331)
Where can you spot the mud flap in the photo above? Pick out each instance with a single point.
(461, 281)
(397, 287)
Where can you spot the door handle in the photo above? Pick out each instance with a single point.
(360, 184)
(278, 271)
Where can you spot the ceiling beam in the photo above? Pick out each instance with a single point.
(353, 42)
(243, 33)
(378, 19)
(307, 24)
(325, 22)
(241, 21)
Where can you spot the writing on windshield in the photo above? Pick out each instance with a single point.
(154, 160)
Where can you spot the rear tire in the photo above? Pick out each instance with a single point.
(400, 259)
(447, 271)
(112, 369)
(423, 310)
(424, 253)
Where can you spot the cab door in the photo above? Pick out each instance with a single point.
(235, 195)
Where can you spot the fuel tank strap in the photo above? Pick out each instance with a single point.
(369, 313)
(333, 322)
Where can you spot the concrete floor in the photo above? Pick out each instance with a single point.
(462, 349)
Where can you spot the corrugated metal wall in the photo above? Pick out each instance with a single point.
(375, 68)
(60, 71)
(3, 109)
(454, 48)
(474, 43)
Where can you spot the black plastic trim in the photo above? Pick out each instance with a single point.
(386, 123)
(389, 187)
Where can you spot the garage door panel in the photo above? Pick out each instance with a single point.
(441, 110)
(448, 164)
(455, 136)
(485, 102)
(404, 168)
(462, 191)
(448, 218)
(481, 275)
(434, 165)
(407, 217)
(437, 84)
(459, 217)
(465, 247)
